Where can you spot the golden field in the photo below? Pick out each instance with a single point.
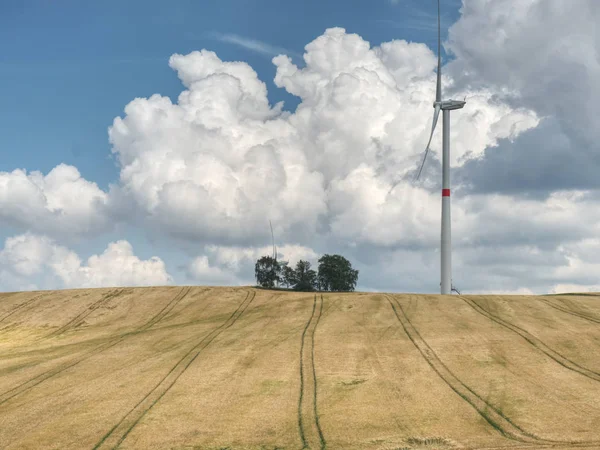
(244, 368)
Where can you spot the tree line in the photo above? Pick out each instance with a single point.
(334, 273)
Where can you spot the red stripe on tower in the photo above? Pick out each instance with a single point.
(445, 192)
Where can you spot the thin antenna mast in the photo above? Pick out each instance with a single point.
(273, 240)
(274, 248)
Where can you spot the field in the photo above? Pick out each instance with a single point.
(243, 368)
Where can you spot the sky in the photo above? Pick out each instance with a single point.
(150, 143)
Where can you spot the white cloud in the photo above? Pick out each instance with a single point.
(28, 261)
(217, 164)
(234, 257)
(254, 45)
(60, 202)
(201, 271)
(543, 53)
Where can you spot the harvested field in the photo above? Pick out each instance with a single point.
(243, 368)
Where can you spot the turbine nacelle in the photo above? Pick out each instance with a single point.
(449, 105)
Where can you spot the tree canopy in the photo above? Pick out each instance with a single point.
(305, 278)
(336, 274)
(267, 271)
(288, 275)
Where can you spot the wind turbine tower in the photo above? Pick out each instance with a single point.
(445, 106)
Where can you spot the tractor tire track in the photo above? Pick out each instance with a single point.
(79, 318)
(569, 311)
(503, 424)
(167, 309)
(142, 329)
(31, 383)
(21, 306)
(537, 343)
(310, 435)
(118, 433)
(314, 371)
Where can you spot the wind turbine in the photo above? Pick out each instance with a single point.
(446, 106)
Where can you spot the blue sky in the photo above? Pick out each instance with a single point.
(69, 68)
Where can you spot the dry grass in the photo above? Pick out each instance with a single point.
(240, 368)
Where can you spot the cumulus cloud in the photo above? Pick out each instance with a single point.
(214, 166)
(541, 55)
(200, 270)
(60, 202)
(29, 257)
(583, 264)
(217, 163)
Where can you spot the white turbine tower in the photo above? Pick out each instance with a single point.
(446, 106)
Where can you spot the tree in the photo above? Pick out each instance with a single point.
(336, 274)
(267, 271)
(288, 275)
(305, 279)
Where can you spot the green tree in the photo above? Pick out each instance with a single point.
(267, 271)
(336, 274)
(305, 279)
(288, 275)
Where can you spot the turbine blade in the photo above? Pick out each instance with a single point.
(436, 114)
(438, 89)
